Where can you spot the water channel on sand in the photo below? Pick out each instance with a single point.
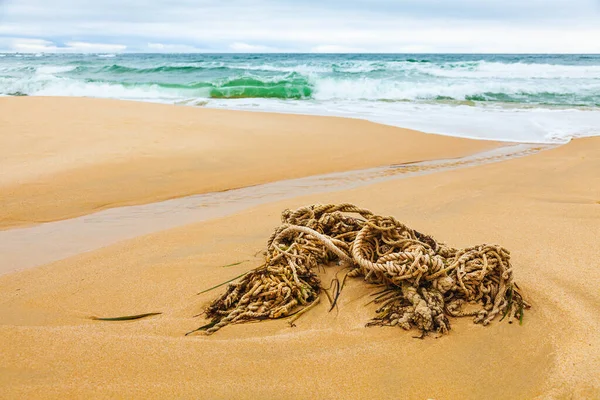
(36, 245)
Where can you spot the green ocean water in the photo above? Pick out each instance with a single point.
(451, 94)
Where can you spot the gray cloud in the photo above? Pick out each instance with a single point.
(310, 25)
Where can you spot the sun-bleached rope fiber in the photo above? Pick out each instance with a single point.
(424, 281)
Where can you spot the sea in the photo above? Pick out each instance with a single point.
(521, 98)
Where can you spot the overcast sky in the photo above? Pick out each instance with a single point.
(402, 26)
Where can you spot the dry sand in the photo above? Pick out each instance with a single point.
(545, 208)
(64, 157)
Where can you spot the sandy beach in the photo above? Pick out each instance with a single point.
(78, 156)
(83, 155)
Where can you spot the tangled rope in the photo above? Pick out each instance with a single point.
(424, 281)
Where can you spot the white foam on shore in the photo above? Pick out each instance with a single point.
(533, 125)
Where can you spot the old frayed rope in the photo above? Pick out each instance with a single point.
(424, 282)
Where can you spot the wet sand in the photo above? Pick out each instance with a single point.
(44, 243)
(545, 208)
(66, 157)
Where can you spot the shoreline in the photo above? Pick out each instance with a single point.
(152, 152)
(423, 129)
(420, 127)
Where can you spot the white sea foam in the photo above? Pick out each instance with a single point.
(54, 69)
(376, 89)
(537, 125)
(466, 69)
(305, 68)
(478, 69)
(298, 68)
(50, 85)
(107, 90)
(483, 69)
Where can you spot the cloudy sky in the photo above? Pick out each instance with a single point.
(402, 26)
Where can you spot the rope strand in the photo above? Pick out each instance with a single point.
(427, 281)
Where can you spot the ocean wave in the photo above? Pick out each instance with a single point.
(244, 87)
(304, 68)
(208, 66)
(51, 80)
(484, 69)
(296, 88)
(16, 69)
(414, 67)
(50, 85)
(399, 69)
(559, 92)
(55, 69)
(122, 69)
(412, 60)
(26, 71)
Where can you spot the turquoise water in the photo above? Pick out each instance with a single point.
(536, 98)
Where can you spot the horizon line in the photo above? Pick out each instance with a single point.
(283, 53)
